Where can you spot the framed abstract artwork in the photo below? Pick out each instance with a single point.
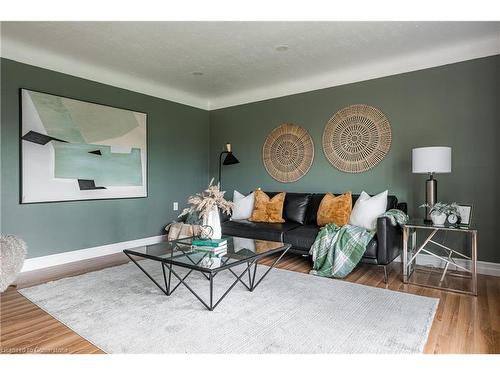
(76, 150)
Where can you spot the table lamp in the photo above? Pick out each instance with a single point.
(431, 160)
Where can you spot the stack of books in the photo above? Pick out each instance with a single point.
(212, 246)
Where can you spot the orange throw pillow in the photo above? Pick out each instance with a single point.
(266, 210)
(336, 210)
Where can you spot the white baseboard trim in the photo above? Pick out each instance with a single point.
(33, 264)
(483, 268)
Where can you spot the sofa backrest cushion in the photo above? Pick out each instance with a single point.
(316, 198)
(295, 207)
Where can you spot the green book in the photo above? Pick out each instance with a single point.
(210, 242)
(212, 250)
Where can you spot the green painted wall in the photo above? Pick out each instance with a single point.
(455, 105)
(177, 161)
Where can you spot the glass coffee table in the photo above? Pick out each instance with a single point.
(241, 253)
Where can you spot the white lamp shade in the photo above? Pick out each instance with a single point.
(431, 160)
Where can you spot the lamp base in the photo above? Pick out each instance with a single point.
(430, 197)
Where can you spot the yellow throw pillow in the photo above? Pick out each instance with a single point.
(266, 210)
(335, 210)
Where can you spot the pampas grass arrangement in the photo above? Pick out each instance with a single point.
(210, 198)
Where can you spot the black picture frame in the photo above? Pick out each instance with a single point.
(20, 108)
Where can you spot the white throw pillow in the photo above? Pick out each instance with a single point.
(243, 206)
(367, 209)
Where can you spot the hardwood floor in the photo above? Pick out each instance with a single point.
(463, 324)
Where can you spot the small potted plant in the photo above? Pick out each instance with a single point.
(440, 211)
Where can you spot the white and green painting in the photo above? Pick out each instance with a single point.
(75, 150)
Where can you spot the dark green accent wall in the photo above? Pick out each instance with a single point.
(177, 166)
(454, 105)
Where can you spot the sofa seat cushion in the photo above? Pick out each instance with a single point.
(302, 237)
(259, 231)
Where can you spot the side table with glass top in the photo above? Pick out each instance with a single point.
(459, 269)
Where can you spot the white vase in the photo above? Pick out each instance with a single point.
(438, 219)
(213, 219)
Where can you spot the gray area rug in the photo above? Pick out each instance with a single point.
(121, 311)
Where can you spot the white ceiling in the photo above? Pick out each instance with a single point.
(238, 60)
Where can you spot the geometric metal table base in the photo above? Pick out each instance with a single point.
(168, 272)
(450, 259)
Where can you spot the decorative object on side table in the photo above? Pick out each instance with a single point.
(357, 138)
(465, 214)
(431, 160)
(207, 205)
(455, 264)
(12, 254)
(288, 153)
(230, 159)
(444, 213)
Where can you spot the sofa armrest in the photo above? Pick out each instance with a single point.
(403, 207)
(389, 241)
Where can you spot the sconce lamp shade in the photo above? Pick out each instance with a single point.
(230, 159)
(431, 160)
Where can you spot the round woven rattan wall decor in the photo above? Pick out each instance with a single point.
(288, 153)
(357, 138)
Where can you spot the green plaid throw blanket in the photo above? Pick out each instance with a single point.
(337, 250)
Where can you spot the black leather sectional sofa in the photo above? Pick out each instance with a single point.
(300, 228)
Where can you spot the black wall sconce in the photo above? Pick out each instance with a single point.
(228, 160)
